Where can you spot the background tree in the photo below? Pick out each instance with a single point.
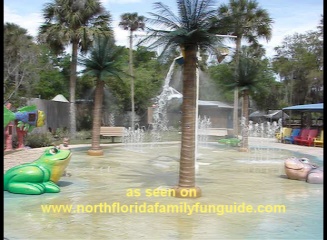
(248, 69)
(245, 20)
(102, 65)
(298, 62)
(132, 22)
(190, 30)
(142, 56)
(53, 75)
(251, 70)
(267, 94)
(149, 76)
(21, 62)
(73, 22)
(221, 75)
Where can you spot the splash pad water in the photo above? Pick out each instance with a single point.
(130, 178)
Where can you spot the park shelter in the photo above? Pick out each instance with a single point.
(272, 115)
(275, 115)
(60, 98)
(317, 107)
(306, 115)
(220, 113)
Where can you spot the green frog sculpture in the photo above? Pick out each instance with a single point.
(40, 176)
(234, 142)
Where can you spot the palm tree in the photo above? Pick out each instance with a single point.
(190, 30)
(248, 71)
(73, 22)
(102, 64)
(245, 20)
(131, 22)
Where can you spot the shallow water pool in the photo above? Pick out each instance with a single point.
(127, 178)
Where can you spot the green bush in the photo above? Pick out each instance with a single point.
(39, 140)
(84, 123)
(61, 133)
(83, 135)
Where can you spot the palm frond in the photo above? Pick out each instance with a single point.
(132, 22)
(67, 21)
(102, 61)
(192, 26)
(245, 19)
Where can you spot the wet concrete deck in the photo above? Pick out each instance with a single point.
(27, 155)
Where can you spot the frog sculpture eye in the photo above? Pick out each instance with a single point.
(53, 151)
(304, 160)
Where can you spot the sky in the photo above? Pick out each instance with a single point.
(289, 16)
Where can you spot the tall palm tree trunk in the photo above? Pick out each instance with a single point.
(237, 60)
(186, 186)
(97, 116)
(72, 90)
(235, 112)
(245, 114)
(132, 77)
